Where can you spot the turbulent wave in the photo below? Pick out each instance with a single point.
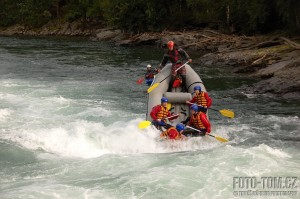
(89, 139)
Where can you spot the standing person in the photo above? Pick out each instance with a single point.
(176, 56)
(149, 75)
(199, 121)
(201, 98)
(159, 114)
(173, 133)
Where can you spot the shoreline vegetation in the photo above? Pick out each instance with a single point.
(221, 32)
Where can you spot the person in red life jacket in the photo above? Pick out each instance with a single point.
(149, 76)
(173, 133)
(159, 113)
(201, 98)
(197, 120)
(176, 57)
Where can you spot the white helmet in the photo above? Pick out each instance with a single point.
(148, 66)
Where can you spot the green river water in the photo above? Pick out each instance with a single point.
(69, 110)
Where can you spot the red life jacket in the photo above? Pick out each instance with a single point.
(174, 55)
(172, 133)
(163, 113)
(200, 99)
(149, 75)
(197, 121)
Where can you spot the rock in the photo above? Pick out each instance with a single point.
(285, 82)
(107, 34)
(271, 69)
(13, 30)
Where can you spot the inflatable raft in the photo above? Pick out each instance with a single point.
(176, 98)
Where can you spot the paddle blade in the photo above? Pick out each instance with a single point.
(218, 138)
(227, 113)
(221, 139)
(169, 106)
(140, 81)
(152, 87)
(144, 124)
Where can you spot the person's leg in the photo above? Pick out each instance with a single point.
(183, 85)
(202, 109)
(171, 83)
(168, 126)
(188, 132)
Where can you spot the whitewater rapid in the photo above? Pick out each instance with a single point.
(69, 115)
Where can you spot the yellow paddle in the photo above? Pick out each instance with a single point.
(144, 124)
(224, 112)
(169, 106)
(217, 137)
(151, 88)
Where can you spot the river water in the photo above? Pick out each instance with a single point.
(69, 110)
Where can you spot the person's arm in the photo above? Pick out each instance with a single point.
(191, 121)
(192, 101)
(154, 111)
(205, 122)
(184, 54)
(164, 61)
(172, 118)
(208, 99)
(186, 120)
(170, 115)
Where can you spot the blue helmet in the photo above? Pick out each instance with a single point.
(179, 127)
(194, 107)
(197, 88)
(164, 99)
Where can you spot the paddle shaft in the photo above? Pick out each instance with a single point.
(226, 113)
(198, 130)
(216, 137)
(171, 116)
(175, 71)
(203, 106)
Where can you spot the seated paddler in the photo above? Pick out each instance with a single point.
(172, 132)
(149, 75)
(202, 99)
(160, 114)
(198, 120)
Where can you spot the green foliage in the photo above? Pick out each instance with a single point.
(136, 15)
(241, 16)
(8, 12)
(34, 13)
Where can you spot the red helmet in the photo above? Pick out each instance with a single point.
(173, 134)
(170, 44)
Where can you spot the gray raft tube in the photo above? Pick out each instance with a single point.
(176, 97)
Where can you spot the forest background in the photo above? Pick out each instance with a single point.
(229, 16)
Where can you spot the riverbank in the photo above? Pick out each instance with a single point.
(274, 60)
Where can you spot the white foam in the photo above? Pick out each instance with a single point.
(59, 100)
(272, 151)
(282, 120)
(5, 113)
(259, 160)
(90, 139)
